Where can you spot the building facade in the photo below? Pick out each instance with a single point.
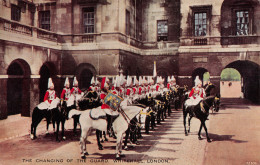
(84, 38)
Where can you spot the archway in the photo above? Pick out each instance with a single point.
(199, 72)
(230, 83)
(250, 79)
(47, 70)
(84, 74)
(18, 88)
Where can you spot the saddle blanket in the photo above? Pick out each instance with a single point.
(46, 105)
(98, 113)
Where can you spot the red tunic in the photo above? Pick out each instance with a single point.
(168, 85)
(65, 94)
(75, 90)
(157, 87)
(102, 97)
(140, 91)
(134, 90)
(50, 95)
(128, 91)
(193, 91)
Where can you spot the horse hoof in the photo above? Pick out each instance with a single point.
(86, 153)
(100, 147)
(64, 138)
(31, 136)
(102, 141)
(47, 133)
(126, 148)
(186, 134)
(83, 157)
(199, 138)
(106, 139)
(209, 140)
(118, 157)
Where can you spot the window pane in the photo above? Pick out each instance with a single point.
(242, 22)
(162, 30)
(200, 24)
(45, 20)
(88, 19)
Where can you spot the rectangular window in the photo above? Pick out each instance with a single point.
(127, 22)
(45, 20)
(162, 30)
(242, 22)
(200, 24)
(15, 13)
(89, 20)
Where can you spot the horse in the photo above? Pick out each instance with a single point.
(55, 113)
(200, 111)
(120, 125)
(216, 104)
(84, 101)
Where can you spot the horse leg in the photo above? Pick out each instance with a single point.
(36, 119)
(83, 138)
(75, 122)
(189, 123)
(147, 124)
(57, 130)
(184, 120)
(100, 147)
(63, 128)
(206, 130)
(199, 137)
(118, 145)
(126, 138)
(105, 137)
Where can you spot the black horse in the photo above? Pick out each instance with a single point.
(56, 115)
(200, 111)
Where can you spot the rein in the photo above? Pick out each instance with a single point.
(125, 116)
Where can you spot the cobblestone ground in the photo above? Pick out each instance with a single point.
(235, 135)
(166, 145)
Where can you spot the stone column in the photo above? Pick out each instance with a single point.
(34, 92)
(3, 98)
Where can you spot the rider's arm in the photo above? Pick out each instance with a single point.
(191, 92)
(46, 96)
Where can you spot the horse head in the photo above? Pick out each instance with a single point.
(216, 103)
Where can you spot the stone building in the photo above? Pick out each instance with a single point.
(219, 34)
(83, 38)
(66, 38)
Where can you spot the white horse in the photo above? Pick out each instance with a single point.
(120, 125)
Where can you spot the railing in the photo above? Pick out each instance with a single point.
(239, 40)
(16, 27)
(47, 35)
(229, 40)
(200, 41)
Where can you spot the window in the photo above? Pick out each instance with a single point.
(200, 24)
(45, 20)
(15, 13)
(242, 22)
(127, 22)
(89, 20)
(162, 30)
(200, 21)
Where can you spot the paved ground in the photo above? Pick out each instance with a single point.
(235, 132)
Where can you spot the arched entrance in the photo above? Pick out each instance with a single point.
(47, 70)
(250, 78)
(84, 74)
(18, 88)
(201, 72)
(230, 83)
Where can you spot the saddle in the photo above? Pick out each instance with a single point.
(98, 113)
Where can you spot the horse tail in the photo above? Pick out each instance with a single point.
(74, 112)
